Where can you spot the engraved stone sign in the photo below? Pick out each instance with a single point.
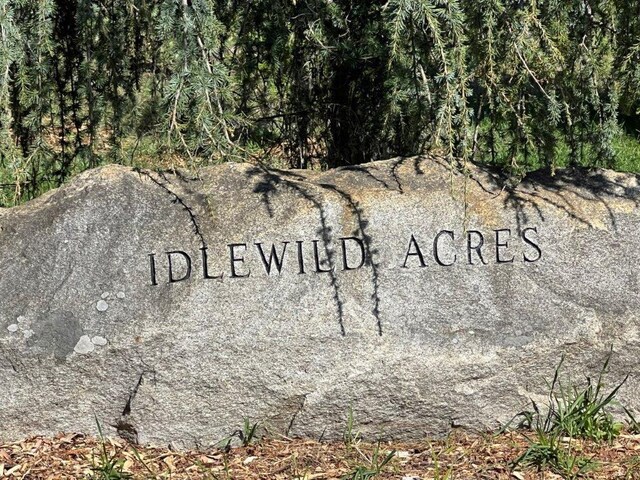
(172, 306)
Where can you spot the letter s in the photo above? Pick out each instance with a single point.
(529, 241)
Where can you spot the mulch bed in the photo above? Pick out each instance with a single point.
(460, 456)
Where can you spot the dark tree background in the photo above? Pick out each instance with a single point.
(314, 84)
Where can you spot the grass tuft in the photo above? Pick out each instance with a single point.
(248, 433)
(109, 466)
(372, 466)
(576, 412)
(572, 413)
(350, 436)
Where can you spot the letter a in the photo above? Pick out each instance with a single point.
(413, 243)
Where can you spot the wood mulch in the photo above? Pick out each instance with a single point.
(460, 456)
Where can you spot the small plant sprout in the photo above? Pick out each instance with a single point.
(372, 466)
(632, 423)
(555, 452)
(248, 433)
(109, 466)
(350, 436)
(439, 473)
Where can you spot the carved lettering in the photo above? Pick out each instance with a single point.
(417, 253)
(205, 266)
(436, 253)
(187, 260)
(502, 245)
(152, 267)
(446, 253)
(233, 260)
(316, 256)
(533, 244)
(477, 248)
(300, 257)
(273, 257)
(345, 265)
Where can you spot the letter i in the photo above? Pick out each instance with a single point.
(152, 266)
(300, 257)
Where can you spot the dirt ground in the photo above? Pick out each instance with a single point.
(461, 456)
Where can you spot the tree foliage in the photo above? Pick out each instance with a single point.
(311, 83)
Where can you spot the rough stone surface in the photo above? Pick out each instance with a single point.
(87, 328)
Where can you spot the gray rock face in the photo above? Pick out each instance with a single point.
(171, 308)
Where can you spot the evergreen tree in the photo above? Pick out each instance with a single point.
(312, 83)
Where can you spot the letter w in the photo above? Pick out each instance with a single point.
(273, 257)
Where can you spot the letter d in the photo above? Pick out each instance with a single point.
(187, 261)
